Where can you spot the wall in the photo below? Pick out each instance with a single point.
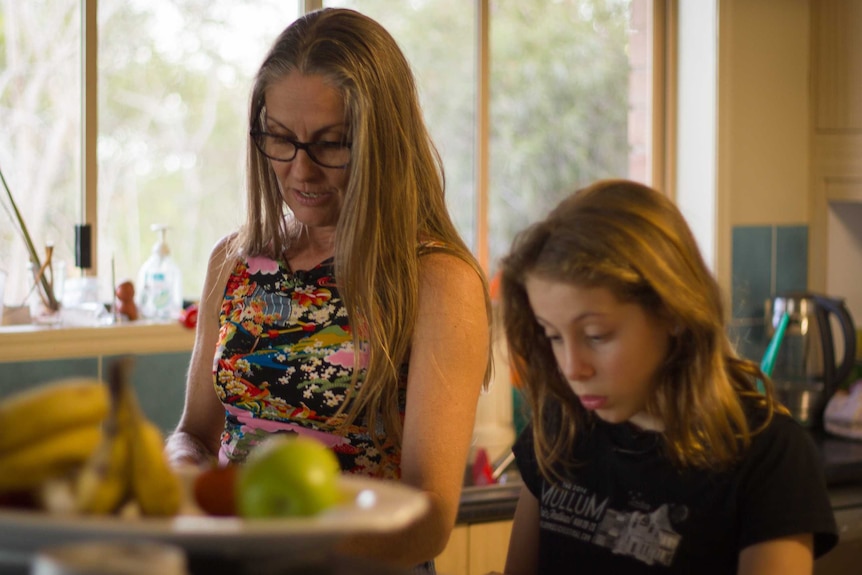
(743, 157)
(764, 158)
(836, 201)
(765, 105)
(789, 176)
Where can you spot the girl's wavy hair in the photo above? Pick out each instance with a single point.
(394, 199)
(633, 241)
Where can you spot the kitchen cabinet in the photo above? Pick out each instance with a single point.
(836, 117)
(455, 559)
(475, 549)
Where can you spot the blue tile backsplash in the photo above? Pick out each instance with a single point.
(14, 375)
(159, 380)
(751, 276)
(766, 260)
(791, 258)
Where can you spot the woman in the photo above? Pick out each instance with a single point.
(650, 449)
(347, 308)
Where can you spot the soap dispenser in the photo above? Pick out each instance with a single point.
(160, 292)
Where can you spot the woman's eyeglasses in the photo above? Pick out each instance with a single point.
(284, 149)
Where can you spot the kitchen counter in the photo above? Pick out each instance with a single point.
(842, 458)
(496, 502)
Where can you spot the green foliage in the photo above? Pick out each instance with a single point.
(39, 148)
(559, 99)
(172, 126)
(559, 106)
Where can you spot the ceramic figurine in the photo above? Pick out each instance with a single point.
(126, 300)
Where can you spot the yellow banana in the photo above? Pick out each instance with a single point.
(34, 413)
(103, 482)
(155, 485)
(130, 463)
(30, 465)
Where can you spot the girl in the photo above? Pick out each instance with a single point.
(650, 449)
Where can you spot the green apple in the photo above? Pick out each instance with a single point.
(288, 476)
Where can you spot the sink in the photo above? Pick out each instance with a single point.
(494, 500)
(503, 470)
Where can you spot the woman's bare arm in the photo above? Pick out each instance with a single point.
(448, 359)
(196, 439)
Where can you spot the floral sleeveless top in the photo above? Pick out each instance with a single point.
(284, 361)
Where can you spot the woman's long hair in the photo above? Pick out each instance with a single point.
(633, 240)
(394, 198)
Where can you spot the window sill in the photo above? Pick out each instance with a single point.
(35, 342)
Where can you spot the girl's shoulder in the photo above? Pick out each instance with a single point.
(779, 433)
(771, 425)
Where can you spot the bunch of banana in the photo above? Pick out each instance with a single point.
(129, 463)
(91, 439)
(49, 431)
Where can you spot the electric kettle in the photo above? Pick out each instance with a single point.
(807, 369)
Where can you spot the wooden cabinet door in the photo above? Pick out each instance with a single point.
(489, 543)
(455, 559)
(475, 549)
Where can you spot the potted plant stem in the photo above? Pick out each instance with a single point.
(43, 276)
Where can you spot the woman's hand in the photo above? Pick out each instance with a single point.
(184, 450)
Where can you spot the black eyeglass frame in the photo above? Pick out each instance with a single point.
(258, 135)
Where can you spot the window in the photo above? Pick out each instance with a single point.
(569, 100)
(561, 95)
(40, 111)
(566, 88)
(174, 80)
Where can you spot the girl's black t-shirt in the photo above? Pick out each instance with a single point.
(628, 509)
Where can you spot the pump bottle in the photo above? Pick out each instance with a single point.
(160, 292)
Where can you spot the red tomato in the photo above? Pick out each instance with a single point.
(215, 490)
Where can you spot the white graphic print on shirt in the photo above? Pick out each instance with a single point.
(648, 536)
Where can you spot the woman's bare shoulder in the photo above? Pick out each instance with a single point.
(221, 263)
(225, 246)
(445, 271)
(223, 254)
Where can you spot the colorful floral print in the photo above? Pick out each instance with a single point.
(284, 362)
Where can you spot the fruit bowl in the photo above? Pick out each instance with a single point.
(369, 506)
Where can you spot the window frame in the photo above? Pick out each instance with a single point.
(662, 48)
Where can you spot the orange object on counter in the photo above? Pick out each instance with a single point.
(126, 300)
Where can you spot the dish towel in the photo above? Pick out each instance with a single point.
(843, 414)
